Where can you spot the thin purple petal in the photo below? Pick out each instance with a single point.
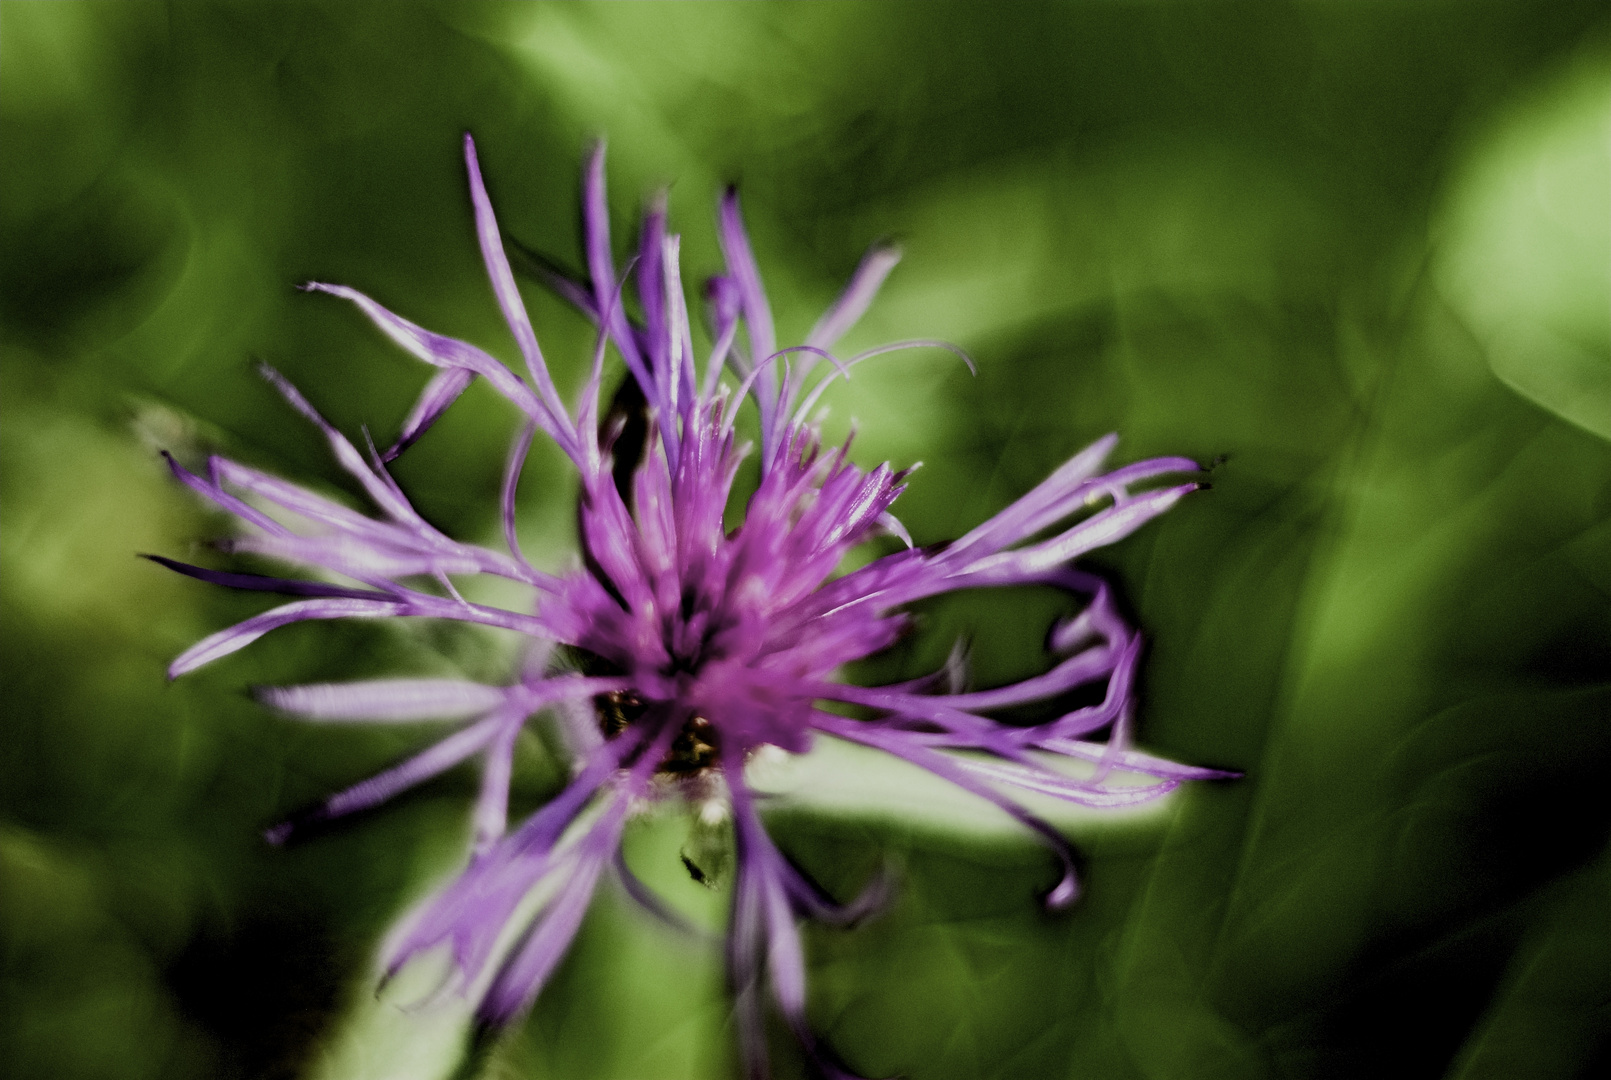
(857, 297)
(386, 699)
(382, 786)
(242, 634)
(442, 391)
(508, 294)
(264, 583)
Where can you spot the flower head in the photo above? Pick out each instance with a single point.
(689, 645)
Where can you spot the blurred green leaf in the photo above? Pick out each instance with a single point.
(1527, 250)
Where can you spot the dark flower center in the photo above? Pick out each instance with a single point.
(696, 747)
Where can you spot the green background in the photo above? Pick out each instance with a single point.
(1359, 250)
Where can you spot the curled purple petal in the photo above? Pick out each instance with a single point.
(646, 898)
(447, 352)
(511, 481)
(242, 634)
(958, 773)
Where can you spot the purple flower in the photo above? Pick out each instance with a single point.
(680, 647)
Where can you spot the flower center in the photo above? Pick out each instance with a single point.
(697, 746)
